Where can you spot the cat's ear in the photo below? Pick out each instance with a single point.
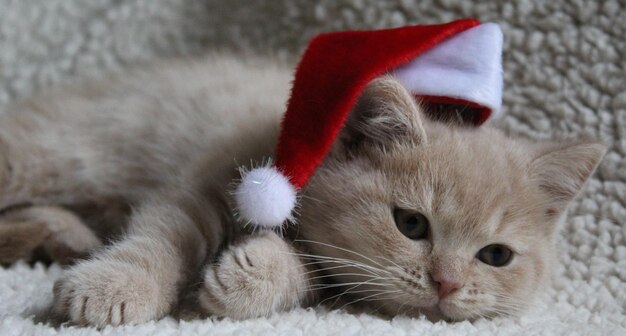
(385, 113)
(561, 170)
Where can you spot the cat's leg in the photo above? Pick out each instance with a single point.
(57, 233)
(30, 173)
(4, 166)
(254, 278)
(139, 278)
(45, 161)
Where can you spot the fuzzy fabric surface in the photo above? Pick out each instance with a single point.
(565, 76)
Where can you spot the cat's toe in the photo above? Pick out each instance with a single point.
(213, 295)
(252, 279)
(101, 293)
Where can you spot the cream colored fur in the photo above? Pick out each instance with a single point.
(165, 143)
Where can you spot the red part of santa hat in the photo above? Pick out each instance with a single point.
(457, 62)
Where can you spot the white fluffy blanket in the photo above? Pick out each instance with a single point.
(565, 76)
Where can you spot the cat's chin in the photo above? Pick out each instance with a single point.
(451, 312)
(438, 311)
(432, 313)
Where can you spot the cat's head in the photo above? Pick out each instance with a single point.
(418, 216)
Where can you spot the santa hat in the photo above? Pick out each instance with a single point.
(457, 62)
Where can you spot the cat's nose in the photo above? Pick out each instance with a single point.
(448, 273)
(447, 287)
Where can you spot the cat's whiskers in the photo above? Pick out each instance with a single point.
(404, 304)
(391, 300)
(317, 270)
(347, 274)
(354, 263)
(341, 249)
(366, 298)
(504, 304)
(371, 282)
(507, 304)
(391, 262)
(356, 285)
(353, 285)
(317, 263)
(495, 311)
(375, 272)
(383, 298)
(369, 274)
(345, 264)
(351, 291)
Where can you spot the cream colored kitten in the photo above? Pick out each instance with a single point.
(404, 216)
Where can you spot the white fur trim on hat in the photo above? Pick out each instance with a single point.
(466, 66)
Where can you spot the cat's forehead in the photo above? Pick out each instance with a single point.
(463, 161)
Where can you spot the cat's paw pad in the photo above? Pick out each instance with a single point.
(253, 279)
(103, 293)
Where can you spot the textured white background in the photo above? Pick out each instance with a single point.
(565, 75)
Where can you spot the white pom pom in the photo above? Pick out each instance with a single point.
(265, 197)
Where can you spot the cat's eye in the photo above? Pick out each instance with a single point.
(412, 224)
(496, 255)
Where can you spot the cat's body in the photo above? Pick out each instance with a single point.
(166, 142)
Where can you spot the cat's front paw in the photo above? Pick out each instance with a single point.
(253, 279)
(103, 292)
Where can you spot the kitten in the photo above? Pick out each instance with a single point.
(406, 215)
